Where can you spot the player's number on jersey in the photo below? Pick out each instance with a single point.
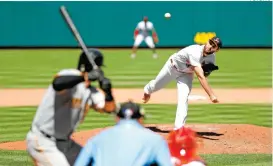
(76, 103)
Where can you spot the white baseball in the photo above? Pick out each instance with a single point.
(167, 15)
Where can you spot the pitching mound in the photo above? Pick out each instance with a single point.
(216, 138)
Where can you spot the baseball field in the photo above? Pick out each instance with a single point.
(237, 131)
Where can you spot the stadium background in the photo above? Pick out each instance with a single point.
(111, 24)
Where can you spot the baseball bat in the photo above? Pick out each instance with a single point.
(77, 35)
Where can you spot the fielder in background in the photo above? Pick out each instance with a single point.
(63, 107)
(145, 31)
(183, 148)
(181, 66)
(127, 143)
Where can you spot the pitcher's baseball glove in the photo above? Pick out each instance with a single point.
(208, 68)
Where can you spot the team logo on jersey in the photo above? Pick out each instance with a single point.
(76, 103)
(217, 40)
(128, 113)
(188, 64)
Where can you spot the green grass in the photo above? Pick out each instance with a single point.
(16, 121)
(35, 68)
(15, 158)
(238, 68)
(11, 158)
(239, 160)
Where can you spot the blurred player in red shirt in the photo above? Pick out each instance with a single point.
(183, 148)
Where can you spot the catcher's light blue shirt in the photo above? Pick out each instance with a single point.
(126, 144)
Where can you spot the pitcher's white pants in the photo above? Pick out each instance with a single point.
(184, 85)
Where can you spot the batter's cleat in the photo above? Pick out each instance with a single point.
(146, 97)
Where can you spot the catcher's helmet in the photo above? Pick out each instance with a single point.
(85, 65)
(130, 110)
(216, 41)
(183, 143)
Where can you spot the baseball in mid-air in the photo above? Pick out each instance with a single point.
(167, 15)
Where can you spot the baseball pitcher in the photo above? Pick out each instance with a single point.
(142, 32)
(181, 66)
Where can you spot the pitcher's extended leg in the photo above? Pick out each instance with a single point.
(162, 79)
(184, 85)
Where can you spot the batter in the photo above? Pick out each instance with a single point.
(63, 107)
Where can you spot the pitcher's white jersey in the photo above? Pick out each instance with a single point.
(180, 67)
(191, 56)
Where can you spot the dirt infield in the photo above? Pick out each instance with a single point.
(217, 139)
(32, 97)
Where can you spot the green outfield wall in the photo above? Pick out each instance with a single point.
(111, 24)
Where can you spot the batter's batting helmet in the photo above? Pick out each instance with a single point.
(85, 65)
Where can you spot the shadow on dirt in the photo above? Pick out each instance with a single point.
(157, 130)
(204, 135)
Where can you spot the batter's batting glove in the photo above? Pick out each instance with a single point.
(96, 74)
(106, 85)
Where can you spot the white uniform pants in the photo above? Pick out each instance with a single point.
(44, 151)
(148, 40)
(184, 85)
